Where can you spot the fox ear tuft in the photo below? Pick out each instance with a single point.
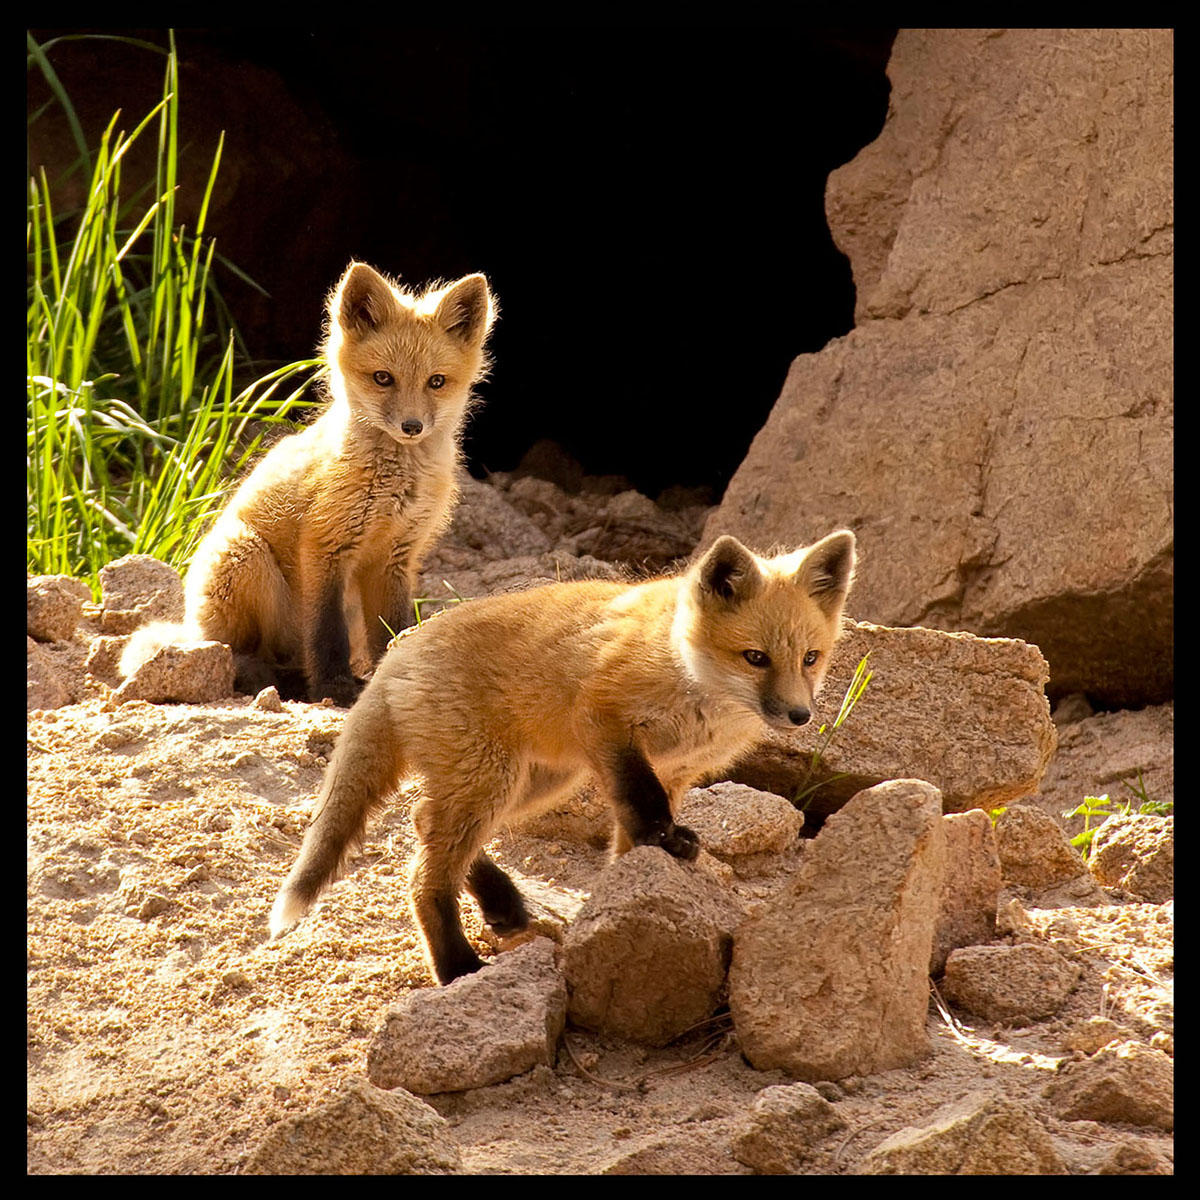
(728, 572)
(467, 310)
(827, 570)
(363, 299)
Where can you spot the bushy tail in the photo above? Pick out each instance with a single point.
(146, 642)
(367, 764)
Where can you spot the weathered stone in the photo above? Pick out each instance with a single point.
(778, 1135)
(44, 687)
(363, 1130)
(1015, 984)
(138, 589)
(1134, 1158)
(647, 956)
(830, 976)
(1034, 851)
(967, 914)
(53, 606)
(732, 820)
(551, 909)
(968, 714)
(1033, 351)
(103, 661)
(977, 1135)
(268, 700)
(1136, 853)
(1101, 754)
(187, 673)
(480, 1029)
(1125, 1082)
(1092, 1034)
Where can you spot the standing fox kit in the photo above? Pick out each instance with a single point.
(507, 704)
(320, 546)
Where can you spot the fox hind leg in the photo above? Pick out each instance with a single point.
(502, 904)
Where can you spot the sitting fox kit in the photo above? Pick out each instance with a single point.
(507, 704)
(315, 556)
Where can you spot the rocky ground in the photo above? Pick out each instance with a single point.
(168, 1035)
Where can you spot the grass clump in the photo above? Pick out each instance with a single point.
(133, 423)
(826, 734)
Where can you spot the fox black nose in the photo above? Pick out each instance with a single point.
(798, 716)
(412, 426)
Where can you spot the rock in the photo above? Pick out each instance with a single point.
(1103, 753)
(830, 976)
(363, 1130)
(480, 1029)
(692, 1149)
(1034, 851)
(647, 956)
(1092, 1034)
(634, 530)
(485, 527)
(103, 661)
(1134, 1158)
(268, 700)
(977, 1135)
(551, 909)
(44, 686)
(732, 820)
(1013, 343)
(967, 714)
(53, 606)
(507, 575)
(967, 912)
(1123, 1082)
(187, 673)
(1012, 984)
(778, 1134)
(1136, 853)
(138, 589)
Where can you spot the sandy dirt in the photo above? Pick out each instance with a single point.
(166, 1033)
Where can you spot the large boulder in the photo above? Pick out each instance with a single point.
(998, 428)
(967, 714)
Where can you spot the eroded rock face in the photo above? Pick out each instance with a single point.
(53, 606)
(480, 1029)
(1137, 853)
(830, 976)
(977, 1135)
(646, 957)
(967, 714)
(779, 1133)
(136, 590)
(998, 428)
(1015, 984)
(1124, 1081)
(363, 1130)
(967, 914)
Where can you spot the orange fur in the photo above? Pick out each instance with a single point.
(506, 704)
(321, 544)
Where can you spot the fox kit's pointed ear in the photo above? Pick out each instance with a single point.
(728, 572)
(467, 310)
(362, 300)
(827, 570)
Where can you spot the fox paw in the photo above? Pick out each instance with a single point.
(677, 840)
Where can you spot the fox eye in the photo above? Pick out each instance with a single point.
(811, 657)
(436, 381)
(757, 658)
(383, 378)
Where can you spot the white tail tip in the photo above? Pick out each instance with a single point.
(287, 910)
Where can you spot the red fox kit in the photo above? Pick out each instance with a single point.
(319, 547)
(507, 703)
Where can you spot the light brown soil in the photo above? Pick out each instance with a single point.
(167, 1034)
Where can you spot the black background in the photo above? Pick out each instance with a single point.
(647, 202)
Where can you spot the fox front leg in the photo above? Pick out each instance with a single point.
(327, 646)
(643, 808)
